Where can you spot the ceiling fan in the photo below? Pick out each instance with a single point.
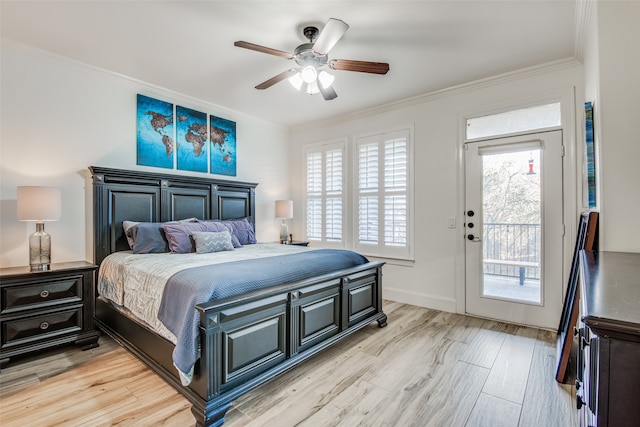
(312, 59)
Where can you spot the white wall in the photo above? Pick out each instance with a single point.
(59, 116)
(612, 83)
(436, 279)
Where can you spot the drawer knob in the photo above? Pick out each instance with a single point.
(44, 293)
(44, 325)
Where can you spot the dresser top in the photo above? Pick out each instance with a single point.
(610, 295)
(55, 268)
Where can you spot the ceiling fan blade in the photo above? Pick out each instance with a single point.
(273, 80)
(329, 93)
(333, 31)
(258, 48)
(359, 66)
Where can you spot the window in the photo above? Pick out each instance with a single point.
(382, 199)
(364, 204)
(524, 119)
(324, 192)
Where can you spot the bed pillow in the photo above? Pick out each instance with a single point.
(218, 225)
(243, 230)
(211, 241)
(148, 238)
(179, 238)
(128, 225)
(126, 229)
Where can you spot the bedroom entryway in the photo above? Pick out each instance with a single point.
(514, 228)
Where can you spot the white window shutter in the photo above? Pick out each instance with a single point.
(325, 193)
(383, 203)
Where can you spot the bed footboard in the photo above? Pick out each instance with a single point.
(255, 338)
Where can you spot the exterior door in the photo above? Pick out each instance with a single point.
(514, 228)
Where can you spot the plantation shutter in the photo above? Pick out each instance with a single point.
(314, 196)
(383, 191)
(325, 192)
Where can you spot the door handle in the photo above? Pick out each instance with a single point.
(473, 238)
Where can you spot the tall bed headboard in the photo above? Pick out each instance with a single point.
(123, 195)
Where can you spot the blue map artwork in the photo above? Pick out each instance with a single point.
(155, 142)
(223, 146)
(591, 156)
(191, 136)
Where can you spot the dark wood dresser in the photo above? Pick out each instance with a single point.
(43, 309)
(608, 377)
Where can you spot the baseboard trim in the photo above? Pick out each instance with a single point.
(420, 300)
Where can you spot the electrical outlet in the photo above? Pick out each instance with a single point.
(451, 221)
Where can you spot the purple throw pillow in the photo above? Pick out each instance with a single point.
(243, 230)
(179, 238)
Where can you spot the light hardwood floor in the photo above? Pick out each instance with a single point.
(426, 368)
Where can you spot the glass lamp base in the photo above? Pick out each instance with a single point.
(284, 233)
(40, 249)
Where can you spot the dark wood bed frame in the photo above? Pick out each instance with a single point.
(246, 340)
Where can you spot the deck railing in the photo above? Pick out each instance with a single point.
(512, 250)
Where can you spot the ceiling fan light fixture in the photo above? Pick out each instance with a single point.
(309, 74)
(312, 88)
(326, 79)
(296, 81)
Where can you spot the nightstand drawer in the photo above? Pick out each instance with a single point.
(41, 294)
(26, 329)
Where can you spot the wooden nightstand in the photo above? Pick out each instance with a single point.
(46, 308)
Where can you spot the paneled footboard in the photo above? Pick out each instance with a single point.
(256, 337)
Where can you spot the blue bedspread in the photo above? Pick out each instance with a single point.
(197, 285)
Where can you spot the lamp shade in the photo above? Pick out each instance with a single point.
(284, 209)
(39, 203)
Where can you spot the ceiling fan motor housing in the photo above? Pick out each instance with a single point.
(305, 55)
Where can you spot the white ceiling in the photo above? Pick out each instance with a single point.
(187, 46)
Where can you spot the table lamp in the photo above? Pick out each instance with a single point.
(39, 204)
(284, 211)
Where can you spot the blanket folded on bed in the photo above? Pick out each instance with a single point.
(198, 285)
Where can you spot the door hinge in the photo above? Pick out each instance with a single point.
(562, 150)
(563, 229)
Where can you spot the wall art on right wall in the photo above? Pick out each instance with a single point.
(590, 158)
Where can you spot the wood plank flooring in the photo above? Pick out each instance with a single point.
(426, 368)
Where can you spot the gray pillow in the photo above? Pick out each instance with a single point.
(208, 241)
(148, 238)
(127, 228)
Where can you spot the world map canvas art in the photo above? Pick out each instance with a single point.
(155, 133)
(184, 138)
(191, 137)
(223, 146)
